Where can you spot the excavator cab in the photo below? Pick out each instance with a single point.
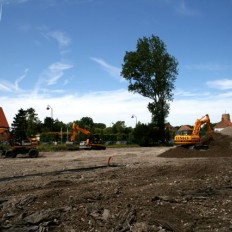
(193, 139)
(14, 147)
(93, 142)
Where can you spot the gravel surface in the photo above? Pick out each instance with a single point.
(128, 189)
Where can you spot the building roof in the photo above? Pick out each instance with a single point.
(223, 124)
(3, 120)
(184, 128)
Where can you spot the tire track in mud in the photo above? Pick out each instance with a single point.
(54, 173)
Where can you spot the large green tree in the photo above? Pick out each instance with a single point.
(151, 72)
(33, 122)
(86, 123)
(25, 124)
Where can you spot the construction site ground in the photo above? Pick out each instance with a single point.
(119, 189)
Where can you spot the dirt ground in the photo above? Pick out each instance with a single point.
(119, 189)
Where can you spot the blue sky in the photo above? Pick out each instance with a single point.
(69, 53)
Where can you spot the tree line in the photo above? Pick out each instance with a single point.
(26, 124)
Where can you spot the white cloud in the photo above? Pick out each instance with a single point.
(1, 12)
(105, 107)
(184, 10)
(56, 71)
(191, 94)
(6, 86)
(62, 39)
(112, 70)
(187, 111)
(14, 1)
(225, 95)
(222, 84)
(112, 106)
(108, 106)
(50, 76)
(20, 79)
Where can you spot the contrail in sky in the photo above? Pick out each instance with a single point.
(1, 12)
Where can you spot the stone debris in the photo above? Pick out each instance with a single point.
(17, 218)
(182, 191)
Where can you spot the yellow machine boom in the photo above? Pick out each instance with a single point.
(194, 138)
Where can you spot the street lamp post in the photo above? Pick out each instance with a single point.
(133, 116)
(50, 108)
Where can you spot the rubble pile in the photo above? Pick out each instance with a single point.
(227, 131)
(219, 146)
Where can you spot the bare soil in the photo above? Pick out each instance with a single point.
(124, 189)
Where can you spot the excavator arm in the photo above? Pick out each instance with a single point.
(199, 122)
(76, 128)
(194, 137)
(92, 141)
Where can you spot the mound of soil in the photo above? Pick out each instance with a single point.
(219, 146)
(227, 131)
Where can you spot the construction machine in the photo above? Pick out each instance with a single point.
(10, 146)
(93, 142)
(13, 146)
(193, 139)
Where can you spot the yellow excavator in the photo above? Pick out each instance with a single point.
(93, 142)
(193, 139)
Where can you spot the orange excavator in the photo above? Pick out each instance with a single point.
(93, 142)
(193, 139)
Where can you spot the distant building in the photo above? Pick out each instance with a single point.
(3, 120)
(184, 130)
(4, 126)
(225, 122)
